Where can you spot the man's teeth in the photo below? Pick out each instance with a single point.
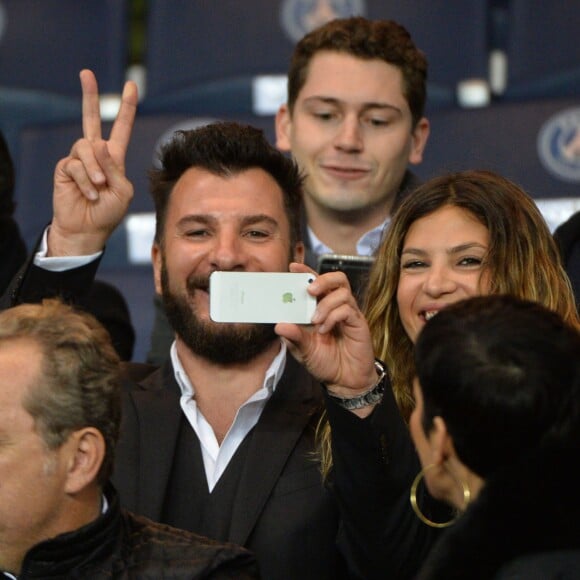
(430, 314)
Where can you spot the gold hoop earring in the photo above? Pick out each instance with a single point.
(415, 505)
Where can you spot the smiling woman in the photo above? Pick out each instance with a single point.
(442, 260)
(458, 235)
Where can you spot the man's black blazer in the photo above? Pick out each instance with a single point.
(282, 511)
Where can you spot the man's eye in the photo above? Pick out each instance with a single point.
(256, 234)
(324, 115)
(196, 233)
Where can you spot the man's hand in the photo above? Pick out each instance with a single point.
(91, 191)
(337, 349)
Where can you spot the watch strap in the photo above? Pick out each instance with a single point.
(370, 397)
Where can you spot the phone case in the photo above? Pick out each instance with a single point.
(263, 297)
(344, 262)
(356, 268)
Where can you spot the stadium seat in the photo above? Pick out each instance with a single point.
(43, 46)
(45, 43)
(535, 143)
(542, 49)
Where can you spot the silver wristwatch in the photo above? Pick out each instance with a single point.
(371, 397)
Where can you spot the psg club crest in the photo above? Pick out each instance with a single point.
(299, 17)
(559, 145)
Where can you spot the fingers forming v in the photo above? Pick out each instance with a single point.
(91, 109)
(123, 125)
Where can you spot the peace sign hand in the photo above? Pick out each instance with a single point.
(91, 191)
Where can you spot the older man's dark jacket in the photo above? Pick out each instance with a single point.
(120, 545)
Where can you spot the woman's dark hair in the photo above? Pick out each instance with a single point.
(504, 374)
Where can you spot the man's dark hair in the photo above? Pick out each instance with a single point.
(225, 149)
(384, 40)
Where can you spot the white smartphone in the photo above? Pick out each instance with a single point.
(264, 297)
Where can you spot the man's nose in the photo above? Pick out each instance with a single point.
(228, 252)
(349, 135)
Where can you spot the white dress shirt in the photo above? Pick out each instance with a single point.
(58, 263)
(366, 245)
(216, 457)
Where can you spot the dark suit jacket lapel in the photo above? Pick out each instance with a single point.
(276, 434)
(159, 415)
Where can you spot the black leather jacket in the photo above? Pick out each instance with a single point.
(121, 545)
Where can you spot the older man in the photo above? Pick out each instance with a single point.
(60, 414)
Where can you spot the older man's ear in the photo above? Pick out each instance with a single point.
(86, 450)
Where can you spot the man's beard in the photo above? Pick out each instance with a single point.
(220, 343)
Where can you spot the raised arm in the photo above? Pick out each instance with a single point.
(91, 196)
(373, 457)
(91, 190)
